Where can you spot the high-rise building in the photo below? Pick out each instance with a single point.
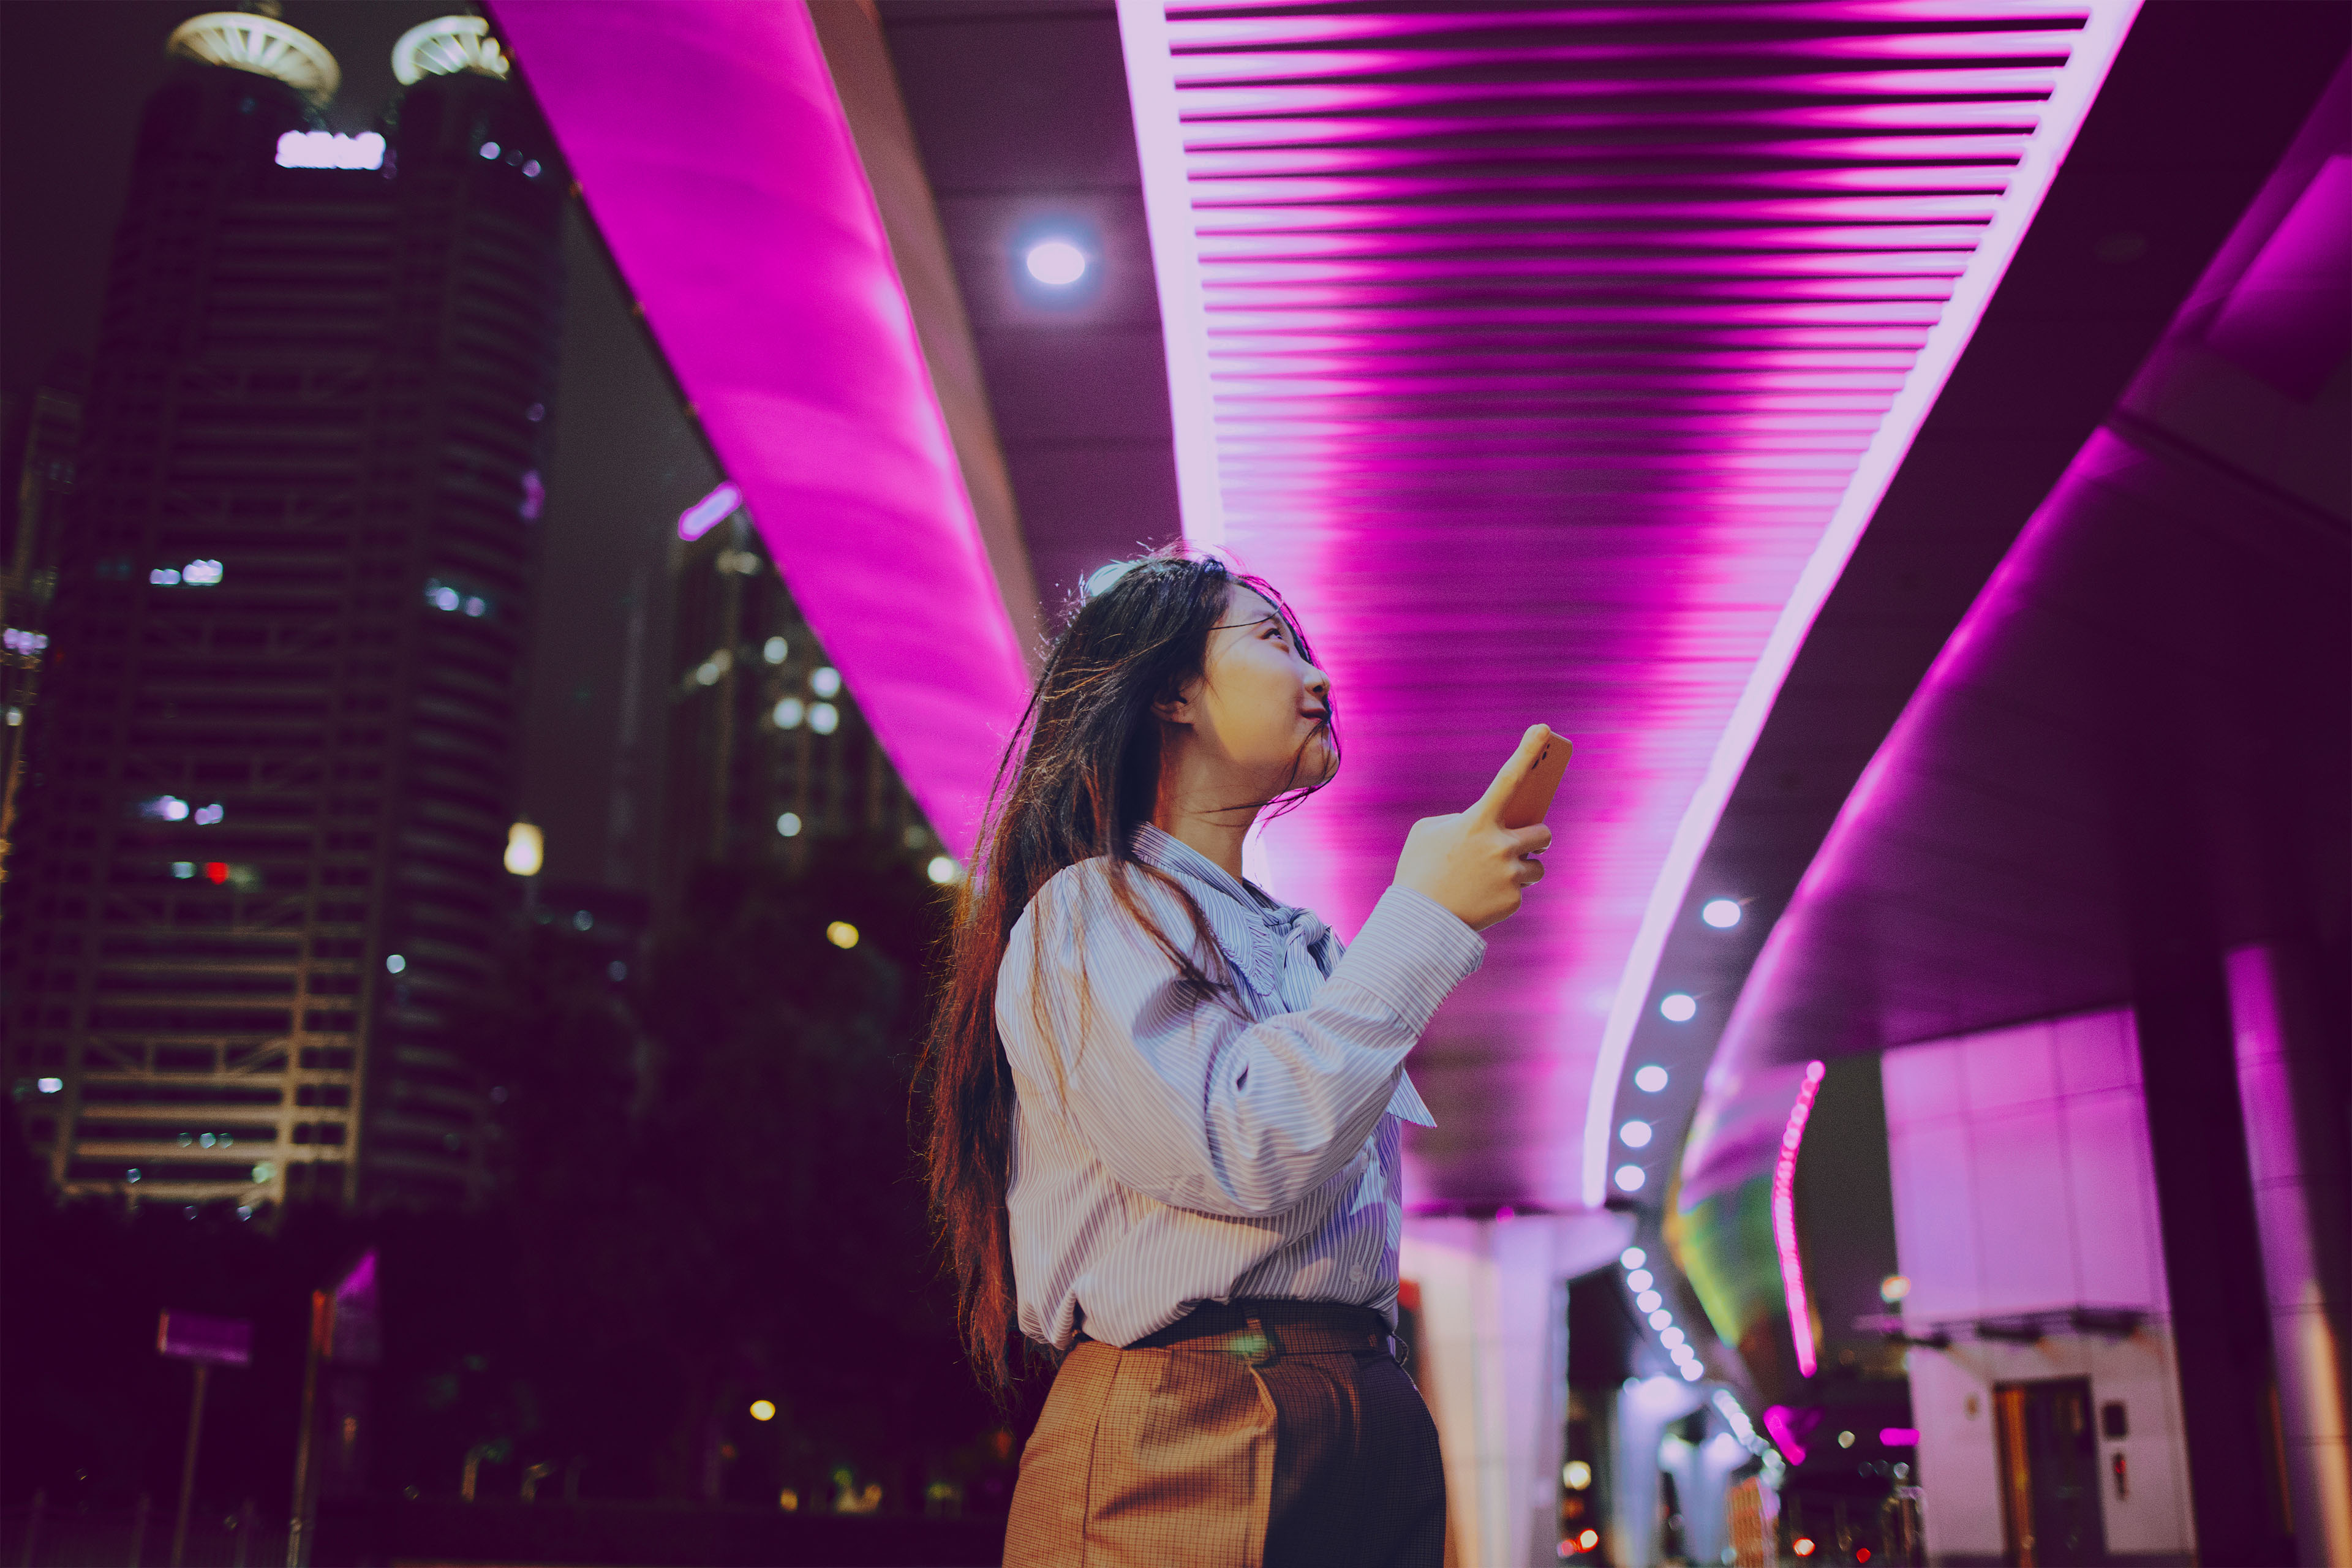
(258, 877)
(41, 441)
(767, 754)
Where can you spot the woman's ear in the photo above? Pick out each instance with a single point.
(1177, 710)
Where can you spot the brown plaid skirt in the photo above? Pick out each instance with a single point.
(1253, 1435)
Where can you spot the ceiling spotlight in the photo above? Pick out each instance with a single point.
(1721, 913)
(1630, 1178)
(1650, 1079)
(1057, 263)
(1677, 1008)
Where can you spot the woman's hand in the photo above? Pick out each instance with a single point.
(1469, 861)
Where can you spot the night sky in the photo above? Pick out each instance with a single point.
(73, 76)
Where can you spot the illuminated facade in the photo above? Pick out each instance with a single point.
(41, 446)
(767, 755)
(259, 872)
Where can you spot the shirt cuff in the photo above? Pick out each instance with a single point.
(1412, 953)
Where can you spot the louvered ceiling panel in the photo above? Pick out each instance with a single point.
(1551, 360)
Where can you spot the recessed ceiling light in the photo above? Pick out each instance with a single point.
(1057, 263)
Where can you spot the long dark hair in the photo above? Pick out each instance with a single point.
(1079, 776)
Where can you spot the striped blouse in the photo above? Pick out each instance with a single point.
(1167, 1150)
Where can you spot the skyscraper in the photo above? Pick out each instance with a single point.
(258, 874)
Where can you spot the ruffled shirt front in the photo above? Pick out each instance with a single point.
(1171, 1147)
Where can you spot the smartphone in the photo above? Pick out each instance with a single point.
(1532, 799)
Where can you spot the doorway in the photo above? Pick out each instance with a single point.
(2048, 1472)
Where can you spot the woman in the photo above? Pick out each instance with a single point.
(1165, 1109)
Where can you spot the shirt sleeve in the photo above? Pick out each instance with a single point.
(1182, 1097)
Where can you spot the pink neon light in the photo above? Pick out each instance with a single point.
(1784, 1225)
(709, 512)
(1899, 1436)
(1787, 1429)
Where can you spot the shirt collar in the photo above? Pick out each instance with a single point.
(1155, 847)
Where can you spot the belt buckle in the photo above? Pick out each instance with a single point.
(1255, 1345)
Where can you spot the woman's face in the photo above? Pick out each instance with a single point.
(1259, 708)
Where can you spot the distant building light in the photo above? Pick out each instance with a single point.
(1057, 263)
(19, 641)
(164, 808)
(183, 870)
(394, 964)
(763, 1410)
(50, 1085)
(583, 920)
(1630, 1178)
(1894, 1288)
(1635, 1135)
(1576, 1475)
(526, 849)
(444, 47)
(476, 604)
(789, 825)
(530, 168)
(263, 1170)
(209, 815)
(943, 870)
(775, 650)
(823, 717)
(709, 512)
(1845, 1439)
(216, 872)
(490, 149)
(708, 672)
(842, 934)
(164, 577)
(534, 489)
(616, 972)
(1721, 913)
(15, 715)
(132, 1174)
(1677, 1008)
(825, 681)
(1650, 1079)
(329, 149)
(201, 573)
(790, 711)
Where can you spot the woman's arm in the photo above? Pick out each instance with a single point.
(1183, 1099)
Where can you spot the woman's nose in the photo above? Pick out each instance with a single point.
(1317, 683)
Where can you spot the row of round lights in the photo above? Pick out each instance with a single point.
(1675, 1007)
(1652, 1302)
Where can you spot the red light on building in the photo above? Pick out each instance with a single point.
(1803, 1546)
(215, 873)
(1862, 1555)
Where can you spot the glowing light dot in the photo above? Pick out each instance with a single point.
(1893, 1289)
(1804, 1546)
(842, 934)
(1649, 1300)
(775, 649)
(1677, 1008)
(50, 1085)
(1057, 263)
(489, 149)
(943, 870)
(1845, 1439)
(823, 717)
(1588, 1540)
(1633, 1257)
(825, 681)
(763, 1410)
(1640, 1280)
(789, 825)
(1635, 1135)
(790, 713)
(1721, 913)
(1650, 1079)
(1661, 1319)
(1671, 1339)
(1630, 1178)
(1693, 1372)
(1576, 1475)
(394, 964)
(526, 850)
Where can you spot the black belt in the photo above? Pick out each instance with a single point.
(1259, 1330)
